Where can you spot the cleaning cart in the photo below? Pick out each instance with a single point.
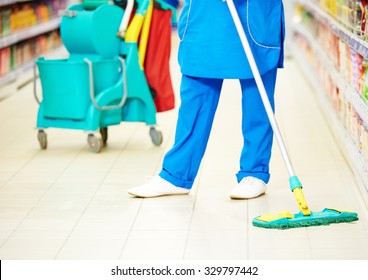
(102, 82)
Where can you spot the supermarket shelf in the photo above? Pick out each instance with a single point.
(26, 67)
(30, 32)
(12, 76)
(352, 154)
(356, 160)
(360, 106)
(9, 2)
(340, 30)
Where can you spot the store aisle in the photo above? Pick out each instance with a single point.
(68, 203)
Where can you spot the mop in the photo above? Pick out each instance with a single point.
(285, 219)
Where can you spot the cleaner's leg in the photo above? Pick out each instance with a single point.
(258, 136)
(256, 128)
(199, 100)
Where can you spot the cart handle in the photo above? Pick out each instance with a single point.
(92, 88)
(34, 82)
(67, 13)
(126, 17)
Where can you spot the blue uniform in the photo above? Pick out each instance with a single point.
(210, 46)
(210, 51)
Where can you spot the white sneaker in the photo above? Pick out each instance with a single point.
(249, 187)
(155, 187)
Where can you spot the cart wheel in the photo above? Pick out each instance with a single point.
(94, 143)
(104, 135)
(42, 139)
(156, 136)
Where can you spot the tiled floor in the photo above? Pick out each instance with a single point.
(68, 203)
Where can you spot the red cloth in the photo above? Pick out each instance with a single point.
(157, 60)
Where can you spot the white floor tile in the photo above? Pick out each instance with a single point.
(215, 249)
(153, 249)
(281, 254)
(90, 249)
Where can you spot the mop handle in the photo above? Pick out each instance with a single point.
(126, 17)
(260, 85)
(295, 184)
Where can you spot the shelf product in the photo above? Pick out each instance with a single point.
(27, 29)
(330, 44)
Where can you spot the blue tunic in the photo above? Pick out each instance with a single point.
(210, 46)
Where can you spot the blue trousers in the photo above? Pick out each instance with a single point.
(199, 100)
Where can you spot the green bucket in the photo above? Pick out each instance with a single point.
(65, 85)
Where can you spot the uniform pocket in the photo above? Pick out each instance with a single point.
(184, 19)
(264, 22)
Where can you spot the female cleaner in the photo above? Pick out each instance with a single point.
(210, 51)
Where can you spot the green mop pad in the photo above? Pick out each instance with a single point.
(286, 220)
